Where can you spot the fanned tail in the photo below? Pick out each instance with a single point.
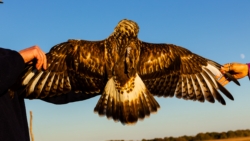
(126, 106)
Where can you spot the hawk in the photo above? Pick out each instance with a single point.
(126, 72)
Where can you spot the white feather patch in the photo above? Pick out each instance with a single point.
(203, 89)
(212, 77)
(208, 84)
(44, 81)
(28, 77)
(33, 84)
(130, 96)
(214, 70)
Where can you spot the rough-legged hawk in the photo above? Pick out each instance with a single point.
(127, 72)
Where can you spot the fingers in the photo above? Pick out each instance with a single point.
(222, 80)
(44, 61)
(32, 53)
(38, 56)
(237, 70)
(41, 58)
(226, 68)
(218, 77)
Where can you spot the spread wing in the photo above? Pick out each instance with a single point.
(76, 65)
(169, 70)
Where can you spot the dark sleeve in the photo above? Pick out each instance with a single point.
(248, 64)
(68, 98)
(11, 66)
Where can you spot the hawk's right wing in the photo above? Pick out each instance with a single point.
(169, 70)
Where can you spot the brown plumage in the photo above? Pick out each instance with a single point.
(127, 72)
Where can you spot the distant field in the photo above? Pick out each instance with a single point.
(233, 139)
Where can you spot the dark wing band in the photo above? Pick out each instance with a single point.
(169, 70)
(75, 65)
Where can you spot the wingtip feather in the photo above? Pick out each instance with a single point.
(231, 77)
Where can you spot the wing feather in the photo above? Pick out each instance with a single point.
(212, 87)
(184, 90)
(197, 87)
(167, 86)
(190, 88)
(48, 84)
(178, 90)
(31, 87)
(204, 88)
(53, 90)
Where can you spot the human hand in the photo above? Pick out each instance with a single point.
(32, 53)
(238, 71)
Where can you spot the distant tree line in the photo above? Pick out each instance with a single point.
(203, 136)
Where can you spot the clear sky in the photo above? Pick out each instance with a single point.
(218, 30)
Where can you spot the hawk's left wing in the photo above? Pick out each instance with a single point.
(74, 66)
(169, 70)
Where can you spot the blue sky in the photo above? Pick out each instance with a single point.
(218, 30)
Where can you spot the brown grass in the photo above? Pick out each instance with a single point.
(233, 139)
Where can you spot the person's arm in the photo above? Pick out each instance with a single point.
(11, 65)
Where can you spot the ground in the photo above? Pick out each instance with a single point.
(233, 139)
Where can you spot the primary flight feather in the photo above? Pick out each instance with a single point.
(127, 72)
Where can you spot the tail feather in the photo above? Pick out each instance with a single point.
(145, 111)
(126, 106)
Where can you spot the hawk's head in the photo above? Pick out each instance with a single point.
(126, 28)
